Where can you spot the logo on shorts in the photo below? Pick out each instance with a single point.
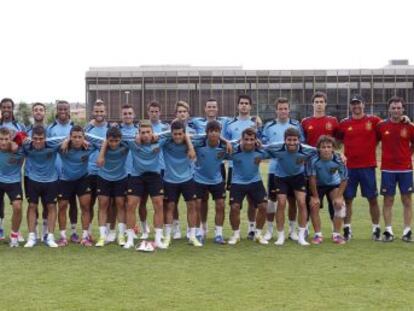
(194, 196)
(277, 189)
(98, 190)
(410, 189)
(404, 133)
(384, 190)
(328, 126)
(162, 191)
(303, 188)
(18, 196)
(60, 196)
(129, 190)
(368, 126)
(88, 189)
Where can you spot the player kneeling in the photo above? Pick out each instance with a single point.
(327, 176)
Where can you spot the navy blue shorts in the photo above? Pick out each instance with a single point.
(147, 183)
(364, 177)
(288, 185)
(47, 191)
(68, 189)
(218, 191)
(112, 189)
(13, 191)
(389, 182)
(187, 189)
(255, 191)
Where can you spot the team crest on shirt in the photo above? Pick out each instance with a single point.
(368, 126)
(84, 158)
(300, 161)
(328, 126)
(350, 128)
(333, 170)
(386, 133)
(156, 150)
(220, 155)
(49, 155)
(310, 128)
(404, 133)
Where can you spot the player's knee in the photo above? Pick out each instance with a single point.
(340, 211)
(271, 207)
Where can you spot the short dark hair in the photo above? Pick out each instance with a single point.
(177, 125)
(62, 102)
(76, 128)
(38, 130)
(38, 104)
(291, 131)
(7, 100)
(114, 132)
(319, 94)
(210, 100)
(4, 131)
(213, 126)
(127, 106)
(145, 124)
(281, 100)
(324, 139)
(99, 102)
(396, 99)
(244, 96)
(250, 132)
(154, 103)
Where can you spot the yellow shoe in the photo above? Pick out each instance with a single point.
(121, 240)
(101, 242)
(167, 241)
(195, 242)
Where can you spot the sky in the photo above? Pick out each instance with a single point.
(47, 46)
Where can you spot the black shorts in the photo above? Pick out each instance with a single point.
(111, 189)
(218, 191)
(326, 190)
(68, 189)
(47, 191)
(93, 184)
(271, 187)
(13, 191)
(287, 185)
(147, 183)
(256, 192)
(173, 191)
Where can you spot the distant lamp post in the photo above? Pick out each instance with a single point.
(127, 97)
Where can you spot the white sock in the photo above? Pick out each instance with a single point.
(143, 226)
(63, 234)
(302, 233)
(73, 227)
(103, 231)
(108, 227)
(176, 223)
(167, 230)
(192, 233)
(335, 234)
(292, 226)
(347, 226)
(236, 233)
(130, 236)
(32, 236)
(374, 227)
(281, 235)
(389, 229)
(406, 230)
(318, 234)
(198, 231)
(219, 230)
(158, 235)
(258, 232)
(121, 228)
(270, 226)
(85, 234)
(252, 226)
(201, 231)
(50, 237)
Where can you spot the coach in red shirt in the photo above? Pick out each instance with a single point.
(358, 134)
(397, 141)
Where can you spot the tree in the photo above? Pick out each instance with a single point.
(23, 113)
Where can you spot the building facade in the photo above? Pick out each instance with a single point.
(168, 84)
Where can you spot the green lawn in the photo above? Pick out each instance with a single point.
(358, 276)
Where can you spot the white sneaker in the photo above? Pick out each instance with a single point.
(233, 240)
(268, 236)
(161, 245)
(146, 246)
(14, 242)
(51, 242)
(20, 237)
(177, 235)
(167, 241)
(144, 236)
(303, 242)
(280, 241)
(261, 240)
(31, 240)
(111, 236)
(128, 245)
(293, 236)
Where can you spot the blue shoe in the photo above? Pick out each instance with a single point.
(200, 239)
(2, 234)
(219, 240)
